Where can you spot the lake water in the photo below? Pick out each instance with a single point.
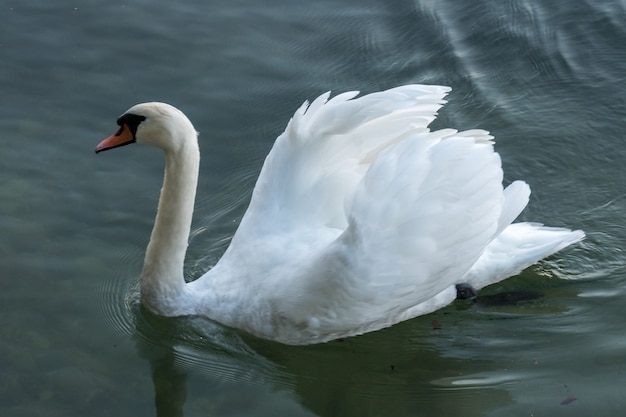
(546, 78)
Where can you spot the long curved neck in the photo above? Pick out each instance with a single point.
(162, 281)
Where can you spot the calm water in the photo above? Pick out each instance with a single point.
(547, 78)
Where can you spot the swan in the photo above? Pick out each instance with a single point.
(361, 217)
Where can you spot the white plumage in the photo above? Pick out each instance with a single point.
(361, 217)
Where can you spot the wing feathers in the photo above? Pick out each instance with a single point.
(364, 217)
(315, 165)
(424, 201)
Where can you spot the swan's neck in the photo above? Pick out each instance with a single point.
(162, 281)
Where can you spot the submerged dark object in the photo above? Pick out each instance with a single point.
(569, 400)
(507, 298)
(467, 292)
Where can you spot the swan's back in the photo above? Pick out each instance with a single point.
(362, 217)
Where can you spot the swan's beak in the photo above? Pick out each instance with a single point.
(122, 137)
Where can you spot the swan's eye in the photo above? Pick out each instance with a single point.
(130, 120)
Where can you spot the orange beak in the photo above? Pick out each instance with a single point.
(122, 137)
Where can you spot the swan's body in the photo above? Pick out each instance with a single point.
(361, 218)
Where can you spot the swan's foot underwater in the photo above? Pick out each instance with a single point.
(518, 297)
(465, 292)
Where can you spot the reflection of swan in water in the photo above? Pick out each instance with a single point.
(179, 350)
(361, 218)
(354, 377)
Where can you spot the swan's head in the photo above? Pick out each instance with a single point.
(157, 124)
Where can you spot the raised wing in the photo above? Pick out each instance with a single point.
(419, 219)
(316, 164)
(362, 217)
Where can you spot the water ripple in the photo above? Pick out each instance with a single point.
(119, 292)
(482, 380)
(195, 342)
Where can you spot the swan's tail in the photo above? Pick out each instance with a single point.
(516, 248)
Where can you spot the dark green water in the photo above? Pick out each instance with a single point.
(546, 78)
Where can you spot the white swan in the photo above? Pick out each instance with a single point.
(361, 218)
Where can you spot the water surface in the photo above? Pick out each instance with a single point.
(545, 78)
